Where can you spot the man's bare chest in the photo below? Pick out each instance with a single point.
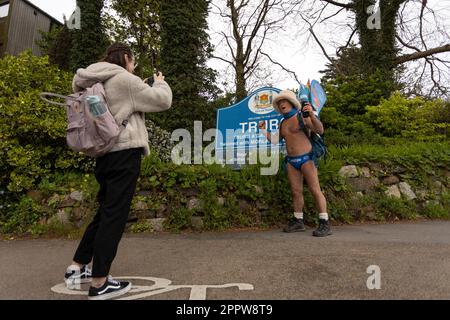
(291, 127)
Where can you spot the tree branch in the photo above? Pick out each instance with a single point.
(424, 5)
(260, 19)
(407, 45)
(333, 15)
(282, 67)
(348, 41)
(324, 51)
(422, 54)
(224, 60)
(342, 5)
(255, 58)
(229, 45)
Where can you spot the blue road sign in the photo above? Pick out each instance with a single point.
(237, 125)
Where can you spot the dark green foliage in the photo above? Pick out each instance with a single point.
(137, 23)
(27, 215)
(420, 158)
(357, 112)
(245, 199)
(351, 94)
(74, 49)
(89, 43)
(438, 210)
(175, 183)
(57, 44)
(378, 51)
(23, 215)
(185, 49)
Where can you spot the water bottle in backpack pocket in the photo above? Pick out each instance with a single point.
(96, 106)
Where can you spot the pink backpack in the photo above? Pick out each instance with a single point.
(93, 136)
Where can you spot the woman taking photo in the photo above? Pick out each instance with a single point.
(128, 98)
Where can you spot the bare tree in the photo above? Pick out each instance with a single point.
(251, 24)
(425, 45)
(412, 36)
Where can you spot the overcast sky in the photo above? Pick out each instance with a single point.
(291, 49)
(56, 8)
(306, 63)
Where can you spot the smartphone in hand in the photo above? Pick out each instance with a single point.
(151, 81)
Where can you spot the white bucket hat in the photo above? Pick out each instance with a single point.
(286, 95)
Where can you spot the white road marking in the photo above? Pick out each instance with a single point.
(198, 292)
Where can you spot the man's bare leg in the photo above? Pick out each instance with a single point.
(311, 175)
(295, 178)
(312, 178)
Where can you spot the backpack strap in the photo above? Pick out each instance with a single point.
(302, 125)
(44, 96)
(279, 129)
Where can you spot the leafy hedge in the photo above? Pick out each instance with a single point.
(412, 119)
(32, 133)
(350, 95)
(396, 119)
(415, 162)
(235, 199)
(176, 184)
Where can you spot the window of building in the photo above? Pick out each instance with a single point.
(4, 10)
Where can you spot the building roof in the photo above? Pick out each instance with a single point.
(42, 11)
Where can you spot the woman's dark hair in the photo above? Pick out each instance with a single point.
(116, 54)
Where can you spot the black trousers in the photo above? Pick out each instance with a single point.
(117, 174)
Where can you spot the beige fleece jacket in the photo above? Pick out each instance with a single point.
(128, 97)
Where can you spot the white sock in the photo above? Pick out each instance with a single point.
(298, 215)
(324, 216)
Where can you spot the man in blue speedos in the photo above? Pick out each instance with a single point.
(296, 129)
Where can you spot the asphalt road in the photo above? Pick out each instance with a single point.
(413, 259)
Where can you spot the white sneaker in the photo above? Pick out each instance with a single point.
(75, 276)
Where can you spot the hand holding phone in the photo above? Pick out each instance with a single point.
(306, 110)
(156, 77)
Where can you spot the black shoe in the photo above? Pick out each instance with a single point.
(111, 289)
(295, 225)
(324, 229)
(75, 276)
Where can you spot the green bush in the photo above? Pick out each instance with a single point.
(21, 216)
(210, 182)
(32, 132)
(244, 199)
(141, 227)
(349, 95)
(435, 210)
(341, 129)
(412, 161)
(356, 113)
(389, 208)
(24, 215)
(415, 119)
